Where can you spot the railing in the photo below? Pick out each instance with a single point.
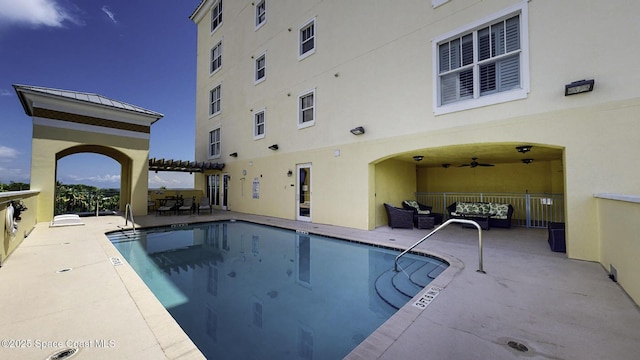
(529, 210)
(445, 224)
(129, 213)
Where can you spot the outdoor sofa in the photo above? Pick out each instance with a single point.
(499, 215)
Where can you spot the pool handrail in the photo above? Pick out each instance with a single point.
(129, 213)
(445, 224)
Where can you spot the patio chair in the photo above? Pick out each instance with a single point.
(204, 205)
(399, 218)
(169, 205)
(187, 205)
(420, 210)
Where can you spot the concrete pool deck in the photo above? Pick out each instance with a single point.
(557, 308)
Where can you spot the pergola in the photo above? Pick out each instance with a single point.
(182, 166)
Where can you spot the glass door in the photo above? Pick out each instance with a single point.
(303, 193)
(225, 192)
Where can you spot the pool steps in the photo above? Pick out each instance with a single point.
(397, 288)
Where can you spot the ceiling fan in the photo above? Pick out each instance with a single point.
(474, 163)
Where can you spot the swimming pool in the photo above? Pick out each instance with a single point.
(248, 291)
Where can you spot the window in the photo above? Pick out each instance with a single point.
(307, 39)
(306, 113)
(215, 100)
(258, 124)
(261, 13)
(214, 143)
(261, 68)
(216, 16)
(484, 64)
(216, 58)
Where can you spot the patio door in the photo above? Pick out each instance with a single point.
(225, 192)
(303, 192)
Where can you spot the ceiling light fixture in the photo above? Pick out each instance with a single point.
(446, 166)
(524, 148)
(527, 161)
(235, 154)
(357, 130)
(418, 158)
(273, 147)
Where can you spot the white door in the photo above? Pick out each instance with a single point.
(303, 192)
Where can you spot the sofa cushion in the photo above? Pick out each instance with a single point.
(499, 211)
(469, 208)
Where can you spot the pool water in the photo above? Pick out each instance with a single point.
(246, 291)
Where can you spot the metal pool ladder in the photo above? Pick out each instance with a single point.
(445, 224)
(128, 213)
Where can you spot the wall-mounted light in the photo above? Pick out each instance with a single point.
(357, 131)
(527, 161)
(578, 87)
(418, 158)
(524, 148)
(273, 147)
(446, 165)
(289, 173)
(235, 154)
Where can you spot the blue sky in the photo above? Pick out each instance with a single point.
(142, 52)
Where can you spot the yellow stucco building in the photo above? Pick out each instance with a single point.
(318, 108)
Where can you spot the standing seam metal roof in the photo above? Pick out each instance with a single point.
(87, 97)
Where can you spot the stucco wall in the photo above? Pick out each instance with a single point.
(619, 229)
(536, 178)
(131, 153)
(25, 225)
(381, 77)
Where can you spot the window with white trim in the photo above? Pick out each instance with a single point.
(214, 143)
(216, 58)
(261, 68)
(485, 64)
(261, 13)
(215, 99)
(216, 16)
(259, 124)
(307, 109)
(307, 39)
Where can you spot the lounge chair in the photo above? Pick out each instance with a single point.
(169, 205)
(399, 218)
(187, 205)
(204, 205)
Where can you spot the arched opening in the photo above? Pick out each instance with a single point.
(532, 181)
(87, 184)
(93, 157)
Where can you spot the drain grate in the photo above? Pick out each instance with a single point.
(517, 346)
(63, 354)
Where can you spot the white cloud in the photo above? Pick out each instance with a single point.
(94, 179)
(110, 14)
(7, 153)
(5, 92)
(170, 180)
(37, 13)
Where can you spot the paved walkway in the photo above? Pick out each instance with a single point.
(556, 308)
